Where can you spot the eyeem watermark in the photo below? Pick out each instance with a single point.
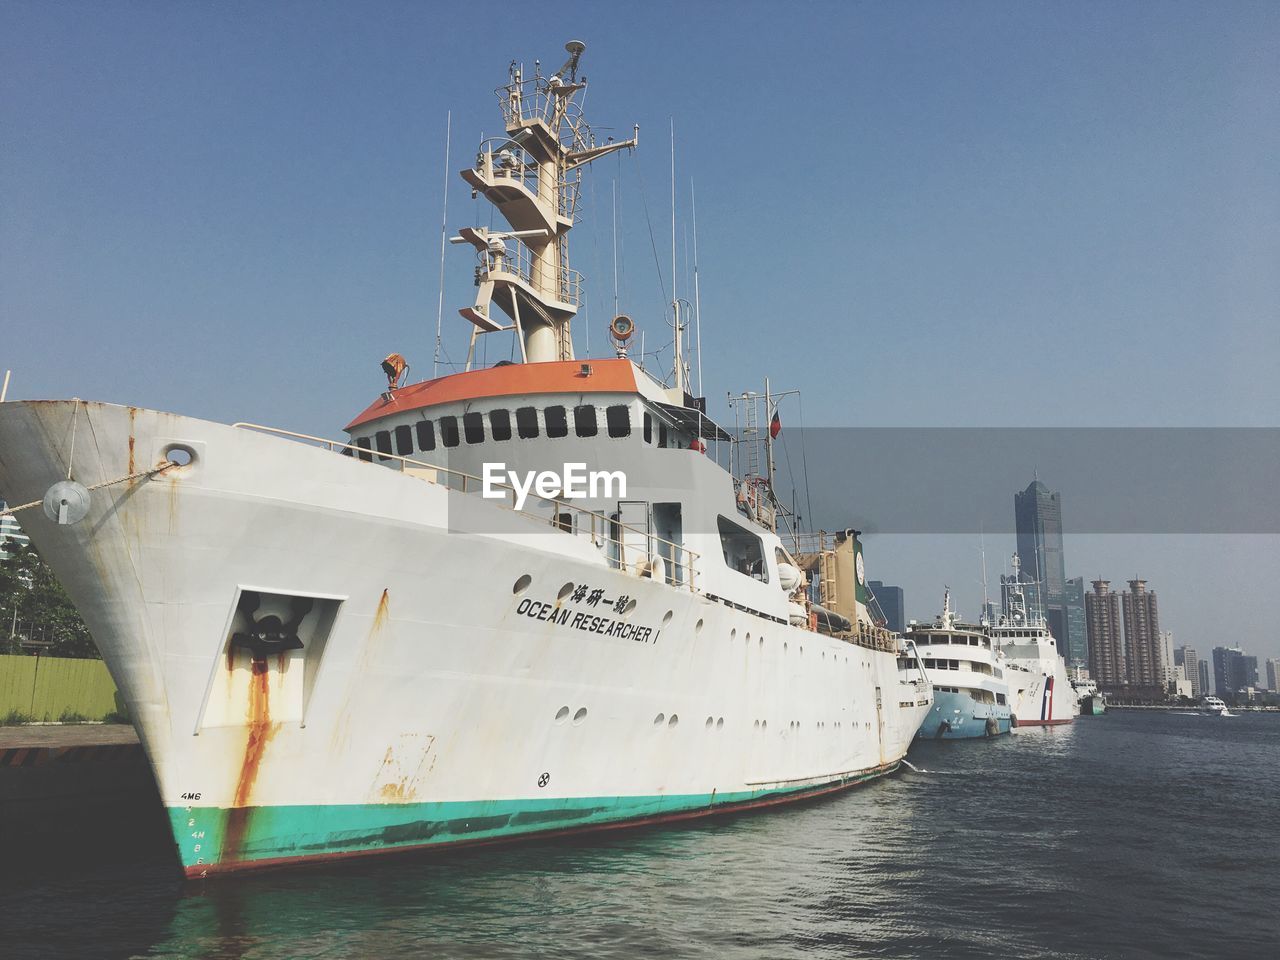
(574, 482)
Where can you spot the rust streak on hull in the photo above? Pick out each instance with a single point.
(261, 730)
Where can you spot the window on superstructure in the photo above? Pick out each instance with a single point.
(584, 421)
(363, 444)
(743, 550)
(404, 440)
(473, 427)
(557, 421)
(662, 434)
(426, 431)
(500, 424)
(618, 420)
(1000, 698)
(382, 440)
(449, 431)
(648, 428)
(526, 423)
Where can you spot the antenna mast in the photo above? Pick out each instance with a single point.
(444, 233)
(533, 176)
(697, 299)
(678, 372)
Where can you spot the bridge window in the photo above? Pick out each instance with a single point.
(618, 418)
(500, 424)
(584, 421)
(363, 444)
(526, 423)
(426, 435)
(662, 434)
(743, 550)
(473, 427)
(557, 422)
(648, 428)
(382, 440)
(449, 431)
(404, 440)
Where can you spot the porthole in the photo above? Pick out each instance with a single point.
(710, 721)
(580, 716)
(629, 608)
(180, 454)
(764, 725)
(659, 720)
(521, 585)
(666, 618)
(673, 722)
(565, 592)
(697, 628)
(784, 647)
(562, 715)
(760, 643)
(733, 634)
(756, 725)
(720, 723)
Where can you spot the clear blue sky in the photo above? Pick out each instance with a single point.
(930, 214)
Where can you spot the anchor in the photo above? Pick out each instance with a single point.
(270, 634)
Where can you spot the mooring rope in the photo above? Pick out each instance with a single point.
(148, 474)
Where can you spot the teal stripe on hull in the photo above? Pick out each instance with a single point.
(215, 839)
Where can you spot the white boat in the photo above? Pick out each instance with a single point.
(970, 695)
(335, 649)
(1092, 701)
(1214, 707)
(1040, 691)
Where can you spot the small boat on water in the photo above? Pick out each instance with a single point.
(970, 696)
(1214, 707)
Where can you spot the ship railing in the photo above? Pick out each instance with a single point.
(532, 101)
(631, 549)
(501, 158)
(515, 259)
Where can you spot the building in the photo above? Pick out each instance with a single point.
(1204, 678)
(892, 604)
(1076, 643)
(1167, 668)
(1273, 675)
(1038, 515)
(1142, 643)
(1106, 645)
(1186, 658)
(1233, 671)
(11, 534)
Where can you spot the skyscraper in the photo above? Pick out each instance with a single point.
(1076, 642)
(1038, 515)
(1106, 647)
(1233, 671)
(891, 603)
(1273, 675)
(1142, 647)
(1204, 678)
(1186, 658)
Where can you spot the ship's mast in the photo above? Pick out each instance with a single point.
(532, 175)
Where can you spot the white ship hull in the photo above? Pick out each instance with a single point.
(1040, 691)
(439, 697)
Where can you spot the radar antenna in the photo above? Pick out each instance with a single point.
(570, 68)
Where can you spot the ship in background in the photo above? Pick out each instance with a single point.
(970, 695)
(1040, 691)
(337, 649)
(1092, 701)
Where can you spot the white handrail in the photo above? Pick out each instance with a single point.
(686, 570)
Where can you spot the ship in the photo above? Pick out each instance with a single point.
(970, 695)
(1040, 691)
(409, 639)
(1092, 701)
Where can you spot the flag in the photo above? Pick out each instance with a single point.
(775, 426)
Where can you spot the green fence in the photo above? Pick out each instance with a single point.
(47, 688)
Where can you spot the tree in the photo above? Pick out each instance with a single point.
(36, 607)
